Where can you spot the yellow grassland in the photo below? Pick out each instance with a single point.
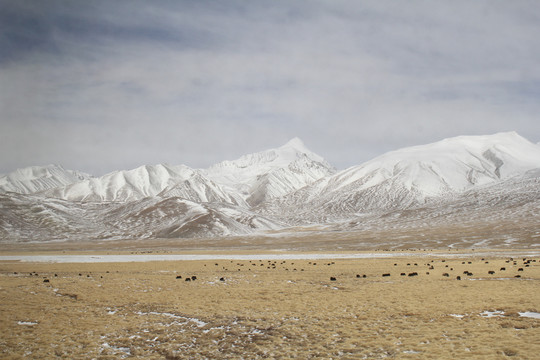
(271, 309)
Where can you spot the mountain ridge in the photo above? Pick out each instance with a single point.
(274, 189)
(271, 173)
(411, 176)
(34, 179)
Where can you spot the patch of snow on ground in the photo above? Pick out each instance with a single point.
(490, 314)
(27, 323)
(530, 314)
(411, 352)
(197, 322)
(125, 350)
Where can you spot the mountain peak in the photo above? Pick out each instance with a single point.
(450, 165)
(295, 143)
(295, 149)
(271, 173)
(494, 139)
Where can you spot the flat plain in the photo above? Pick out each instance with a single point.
(230, 309)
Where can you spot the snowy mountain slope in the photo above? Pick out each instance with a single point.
(34, 218)
(33, 179)
(271, 173)
(411, 176)
(124, 185)
(506, 212)
(517, 197)
(454, 164)
(26, 218)
(174, 217)
(145, 181)
(470, 182)
(247, 181)
(201, 190)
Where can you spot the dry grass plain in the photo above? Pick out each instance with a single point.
(271, 309)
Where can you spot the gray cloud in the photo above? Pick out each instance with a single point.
(103, 85)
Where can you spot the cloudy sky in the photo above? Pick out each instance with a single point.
(105, 85)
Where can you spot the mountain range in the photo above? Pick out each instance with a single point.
(482, 181)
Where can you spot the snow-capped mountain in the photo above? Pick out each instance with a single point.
(123, 185)
(175, 217)
(199, 189)
(504, 213)
(412, 176)
(247, 181)
(39, 178)
(486, 181)
(30, 218)
(145, 181)
(272, 173)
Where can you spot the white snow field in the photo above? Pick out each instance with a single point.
(275, 256)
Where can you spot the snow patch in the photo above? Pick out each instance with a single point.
(530, 314)
(490, 314)
(27, 323)
(411, 352)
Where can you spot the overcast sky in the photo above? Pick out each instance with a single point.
(106, 85)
